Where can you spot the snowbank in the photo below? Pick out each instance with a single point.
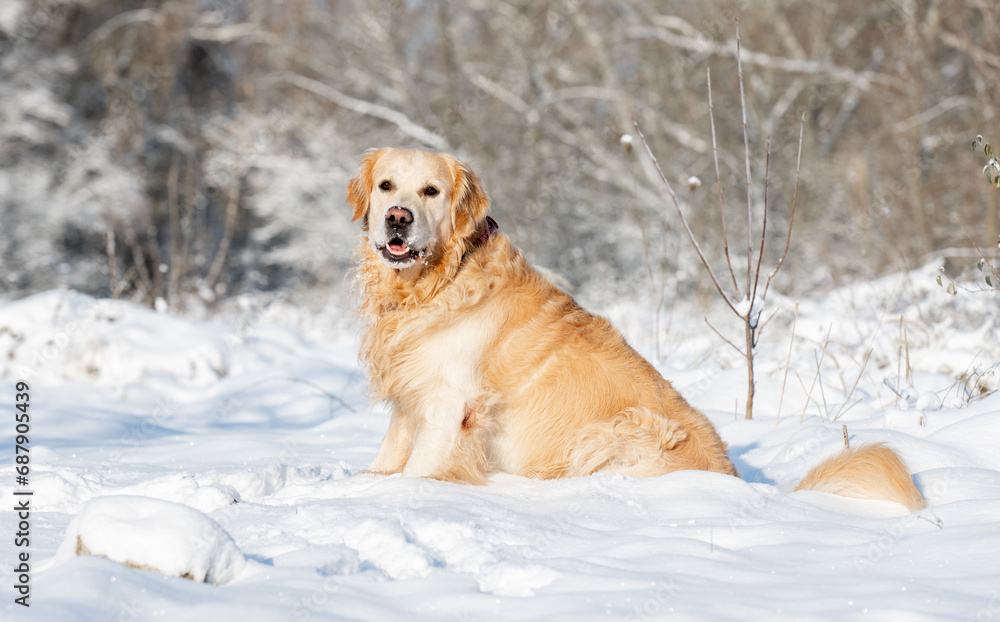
(151, 534)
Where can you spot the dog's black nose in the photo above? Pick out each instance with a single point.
(398, 216)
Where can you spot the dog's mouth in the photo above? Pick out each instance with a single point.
(397, 251)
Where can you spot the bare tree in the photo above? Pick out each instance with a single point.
(745, 302)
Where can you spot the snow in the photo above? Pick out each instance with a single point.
(10, 13)
(162, 536)
(743, 308)
(233, 448)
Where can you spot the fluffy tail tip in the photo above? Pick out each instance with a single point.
(866, 472)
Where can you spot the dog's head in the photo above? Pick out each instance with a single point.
(416, 205)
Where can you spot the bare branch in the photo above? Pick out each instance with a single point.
(724, 338)
(788, 363)
(864, 364)
(819, 363)
(360, 106)
(143, 280)
(127, 18)
(762, 325)
(680, 212)
(763, 226)
(781, 106)
(232, 32)
(718, 184)
(958, 252)
(568, 93)
(501, 94)
(746, 162)
(938, 109)
(980, 251)
(702, 45)
(976, 53)
(177, 258)
(109, 248)
(852, 99)
(227, 235)
(609, 76)
(791, 218)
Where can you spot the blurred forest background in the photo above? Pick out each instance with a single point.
(188, 150)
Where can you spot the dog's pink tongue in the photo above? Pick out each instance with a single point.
(398, 249)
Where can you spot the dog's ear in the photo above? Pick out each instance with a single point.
(471, 201)
(359, 189)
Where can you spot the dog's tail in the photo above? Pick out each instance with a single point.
(865, 472)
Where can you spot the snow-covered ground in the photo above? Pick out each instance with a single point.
(252, 430)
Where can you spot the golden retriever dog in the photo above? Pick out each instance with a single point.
(488, 366)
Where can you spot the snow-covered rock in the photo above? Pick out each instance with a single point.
(152, 534)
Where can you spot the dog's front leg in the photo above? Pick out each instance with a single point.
(435, 435)
(396, 445)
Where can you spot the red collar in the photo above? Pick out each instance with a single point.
(491, 228)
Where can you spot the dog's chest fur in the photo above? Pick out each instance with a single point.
(417, 352)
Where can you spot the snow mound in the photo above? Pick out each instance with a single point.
(152, 534)
(65, 336)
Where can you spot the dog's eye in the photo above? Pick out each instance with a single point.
(431, 191)
(386, 185)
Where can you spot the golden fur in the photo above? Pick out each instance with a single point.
(486, 365)
(865, 472)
